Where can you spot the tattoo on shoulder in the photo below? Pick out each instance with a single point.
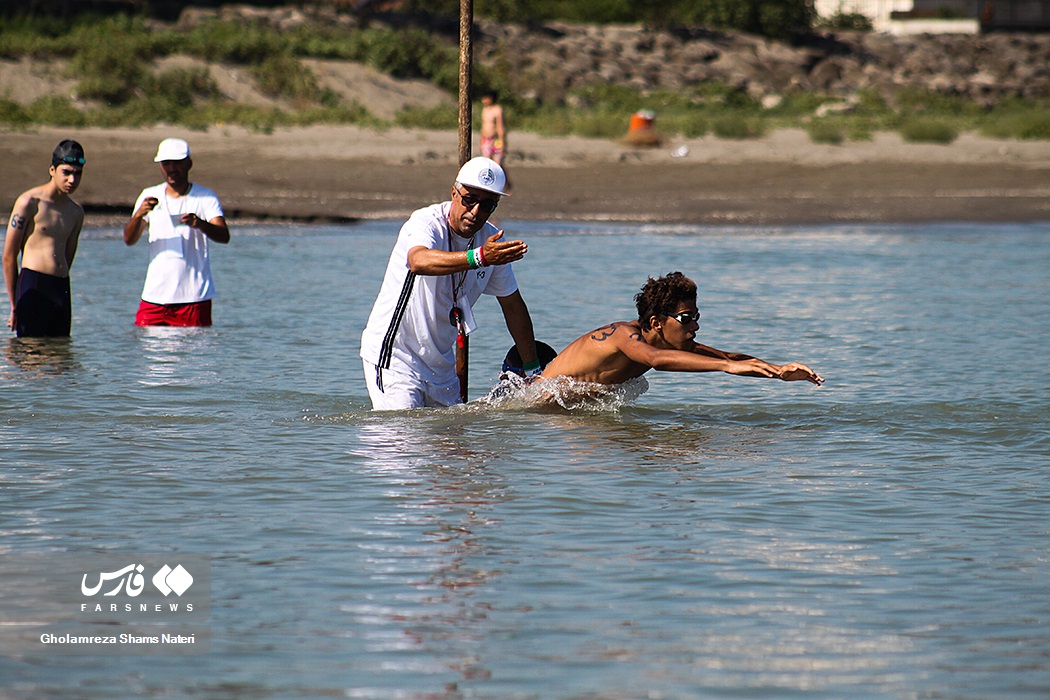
(18, 221)
(605, 332)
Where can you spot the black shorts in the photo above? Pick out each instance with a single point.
(43, 306)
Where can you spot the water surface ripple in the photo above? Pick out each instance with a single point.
(884, 536)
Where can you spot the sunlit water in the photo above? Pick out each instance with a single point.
(884, 536)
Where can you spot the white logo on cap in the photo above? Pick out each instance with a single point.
(486, 177)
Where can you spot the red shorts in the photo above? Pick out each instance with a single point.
(197, 313)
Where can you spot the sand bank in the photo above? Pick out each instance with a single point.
(347, 173)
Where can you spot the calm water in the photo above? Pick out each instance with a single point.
(884, 536)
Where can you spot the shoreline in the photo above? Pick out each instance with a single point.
(343, 174)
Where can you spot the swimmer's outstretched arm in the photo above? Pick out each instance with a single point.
(791, 372)
(703, 358)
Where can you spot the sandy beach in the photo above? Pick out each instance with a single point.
(347, 173)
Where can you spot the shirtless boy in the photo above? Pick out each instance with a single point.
(493, 130)
(44, 229)
(662, 338)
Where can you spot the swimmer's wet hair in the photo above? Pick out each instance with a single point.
(662, 296)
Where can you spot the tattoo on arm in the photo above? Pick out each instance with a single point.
(18, 221)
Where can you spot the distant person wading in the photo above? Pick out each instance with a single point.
(44, 229)
(182, 217)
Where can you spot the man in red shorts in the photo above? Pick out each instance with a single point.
(182, 218)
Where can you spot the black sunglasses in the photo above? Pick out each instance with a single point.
(686, 317)
(469, 202)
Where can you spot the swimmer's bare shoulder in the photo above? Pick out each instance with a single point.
(23, 220)
(598, 356)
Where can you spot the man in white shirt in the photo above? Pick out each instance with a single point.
(445, 257)
(182, 216)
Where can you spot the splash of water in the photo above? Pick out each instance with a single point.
(514, 393)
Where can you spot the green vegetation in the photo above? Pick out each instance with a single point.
(11, 113)
(928, 130)
(440, 118)
(282, 75)
(734, 127)
(113, 61)
(826, 131)
(1018, 120)
(852, 21)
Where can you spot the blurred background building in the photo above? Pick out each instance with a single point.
(944, 16)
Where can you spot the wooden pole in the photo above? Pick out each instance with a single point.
(466, 60)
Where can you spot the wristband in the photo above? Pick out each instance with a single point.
(481, 255)
(475, 258)
(532, 368)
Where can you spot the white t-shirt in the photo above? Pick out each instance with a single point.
(409, 330)
(179, 271)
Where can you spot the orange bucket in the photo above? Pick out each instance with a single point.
(642, 121)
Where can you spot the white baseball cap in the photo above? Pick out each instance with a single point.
(172, 149)
(483, 174)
